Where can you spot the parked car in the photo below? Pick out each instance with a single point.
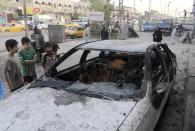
(74, 31)
(166, 26)
(12, 28)
(42, 24)
(71, 24)
(148, 26)
(110, 85)
(81, 22)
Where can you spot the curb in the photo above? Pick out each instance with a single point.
(189, 118)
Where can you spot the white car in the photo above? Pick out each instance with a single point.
(111, 85)
(42, 24)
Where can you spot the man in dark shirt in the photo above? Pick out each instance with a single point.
(104, 34)
(157, 35)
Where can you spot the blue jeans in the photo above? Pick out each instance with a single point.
(1, 90)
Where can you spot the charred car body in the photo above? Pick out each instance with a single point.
(114, 86)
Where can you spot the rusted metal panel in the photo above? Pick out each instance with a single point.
(118, 45)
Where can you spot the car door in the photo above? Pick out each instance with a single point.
(170, 61)
(80, 32)
(159, 84)
(14, 28)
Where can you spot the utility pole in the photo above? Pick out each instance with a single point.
(120, 18)
(168, 9)
(176, 14)
(193, 12)
(120, 11)
(134, 8)
(25, 17)
(134, 4)
(149, 10)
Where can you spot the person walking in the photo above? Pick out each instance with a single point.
(38, 43)
(86, 33)
(187, 38)
(104, 33)
(27, 57)
(12, 73)
(157, 35)
(173, 35)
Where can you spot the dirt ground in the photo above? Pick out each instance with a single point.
(172, 118)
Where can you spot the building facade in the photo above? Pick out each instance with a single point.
(128, 14)
(60, 10)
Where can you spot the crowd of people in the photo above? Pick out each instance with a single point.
(21, 71)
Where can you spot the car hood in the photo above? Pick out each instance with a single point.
(46, 109)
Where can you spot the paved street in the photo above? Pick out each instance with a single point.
(173, 116)
(16, 36)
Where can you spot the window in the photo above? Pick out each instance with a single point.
(92, 54)
(72, 60)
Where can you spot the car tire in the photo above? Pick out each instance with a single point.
(7, 30)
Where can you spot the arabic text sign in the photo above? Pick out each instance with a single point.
(96, 16)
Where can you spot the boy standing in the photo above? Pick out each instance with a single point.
(49, 58)
(27, 58)
(12, 71)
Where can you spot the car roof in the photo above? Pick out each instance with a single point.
(117, 45)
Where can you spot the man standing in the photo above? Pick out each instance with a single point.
(157, 35)
(104, 33)
(173, 35)
(27, 58)
(86, 33)
(12, 71)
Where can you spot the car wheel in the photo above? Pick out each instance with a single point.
(7, 30)
(22, 30)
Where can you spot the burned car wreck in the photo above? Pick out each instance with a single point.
(111, 85)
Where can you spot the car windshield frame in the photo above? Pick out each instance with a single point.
(88, 92)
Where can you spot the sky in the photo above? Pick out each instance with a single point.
(176, 7)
